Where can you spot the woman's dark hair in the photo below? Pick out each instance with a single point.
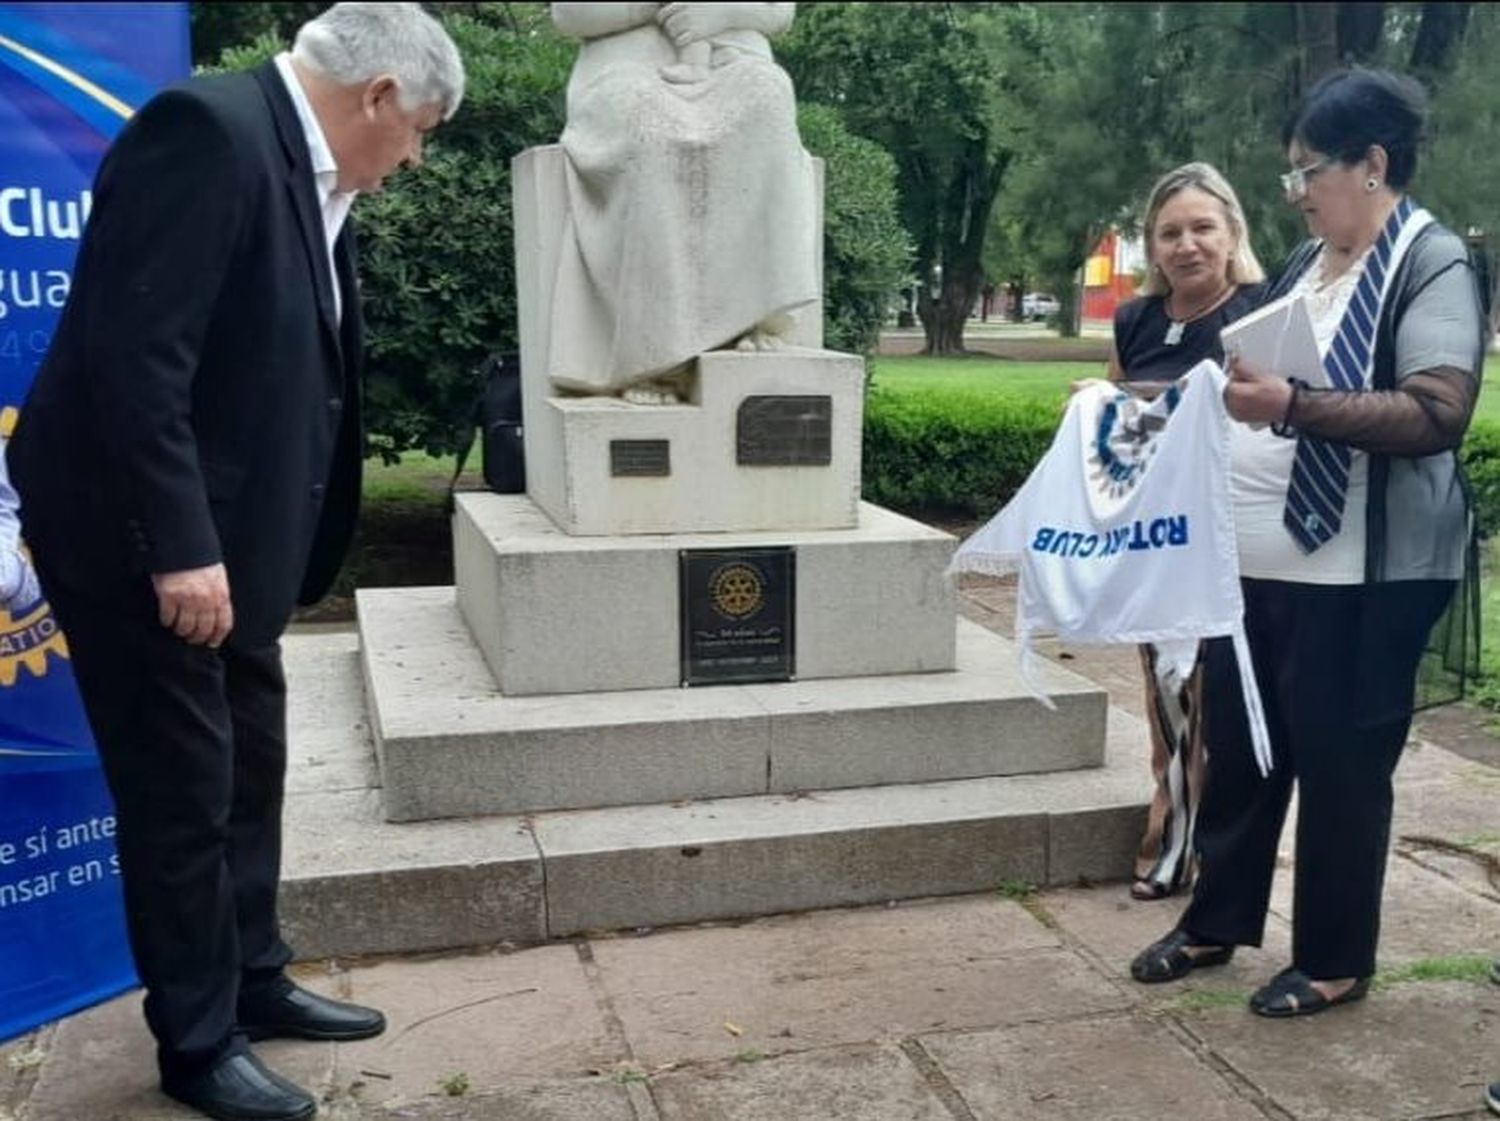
(1350, 110)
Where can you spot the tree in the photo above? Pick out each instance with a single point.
(930, 83)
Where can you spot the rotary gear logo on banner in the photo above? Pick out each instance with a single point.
(31, 636)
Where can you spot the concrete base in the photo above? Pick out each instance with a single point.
(451, 745)
(703, 489)
(554, 613)
(356, 884)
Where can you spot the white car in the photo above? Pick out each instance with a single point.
(1038, 305)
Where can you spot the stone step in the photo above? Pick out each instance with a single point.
(355, 883)
(451, 745)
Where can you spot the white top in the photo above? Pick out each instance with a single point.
(1261, 470)
(18, 586)
(334, 203)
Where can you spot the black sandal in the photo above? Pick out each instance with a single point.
(1148, 891)
(1291, 993)
(1167, 958)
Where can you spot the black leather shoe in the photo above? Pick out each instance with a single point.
(289, 1012)
(238, 1087)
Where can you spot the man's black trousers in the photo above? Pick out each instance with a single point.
(193, 745)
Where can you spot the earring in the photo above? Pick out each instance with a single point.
(1371, 183)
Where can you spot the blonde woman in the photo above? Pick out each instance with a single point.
(1203, 275)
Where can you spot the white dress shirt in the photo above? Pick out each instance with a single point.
(334, 203)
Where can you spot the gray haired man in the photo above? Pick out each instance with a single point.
(188, 463)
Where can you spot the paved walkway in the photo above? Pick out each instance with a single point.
(1008, 1006)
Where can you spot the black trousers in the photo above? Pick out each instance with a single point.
(193, 746)
(1336, 665)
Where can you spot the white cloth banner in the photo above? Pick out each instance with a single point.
(1124, 532)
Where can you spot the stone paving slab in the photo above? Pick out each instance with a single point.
(794, 986)
(1115, 927)
(101, 1066)
(557, 1101)
(1417, 1050)
(1119, 1067)
(1422, 915)
(493, 1018)
(869, 1083)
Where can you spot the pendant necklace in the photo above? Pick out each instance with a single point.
(1175, 326)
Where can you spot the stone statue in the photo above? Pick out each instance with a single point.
(691, 208)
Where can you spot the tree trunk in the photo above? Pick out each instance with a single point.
(1361, 26)
(1317, 42)
(1441, 31)
(943, 318)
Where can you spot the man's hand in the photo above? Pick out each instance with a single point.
(1255, 397)
(688, 22)
(194, 604)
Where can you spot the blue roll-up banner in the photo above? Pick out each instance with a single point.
(70, 76)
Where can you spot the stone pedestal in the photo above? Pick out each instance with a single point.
(600, 465)
(555, 613)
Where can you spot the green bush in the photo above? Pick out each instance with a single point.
(953, 451)
(1481, 459)
(866, 251)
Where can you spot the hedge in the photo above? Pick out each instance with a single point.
(951, 451)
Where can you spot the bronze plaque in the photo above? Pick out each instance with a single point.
(640, 458)
(738, 611)
(785, 432)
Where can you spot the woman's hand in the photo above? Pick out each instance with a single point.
(1256, 397)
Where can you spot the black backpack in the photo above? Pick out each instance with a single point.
(497, 417)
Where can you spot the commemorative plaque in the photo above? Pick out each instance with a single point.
(738, 611)
(784, 431)
(636, 458)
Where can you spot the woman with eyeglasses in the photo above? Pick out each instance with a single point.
(1203, 275)
(1352, 526)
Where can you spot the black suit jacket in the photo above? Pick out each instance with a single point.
(199, 402)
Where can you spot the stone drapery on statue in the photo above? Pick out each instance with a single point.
(691, 201)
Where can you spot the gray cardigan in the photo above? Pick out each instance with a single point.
(1417, 523)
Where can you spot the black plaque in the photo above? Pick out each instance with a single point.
(640, 458)
(738, 609)
(784, 432)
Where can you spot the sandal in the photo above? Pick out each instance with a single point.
(1148, 891)
(1291, 993)
(1167, 958)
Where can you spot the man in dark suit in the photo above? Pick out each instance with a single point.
(188, 463)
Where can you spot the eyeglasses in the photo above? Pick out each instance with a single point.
(1294, 182)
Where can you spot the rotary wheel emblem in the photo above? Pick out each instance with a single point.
(737, 591)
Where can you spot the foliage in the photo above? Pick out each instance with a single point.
(436, 246)
(1481, 460)
(939, 106)
(866, 250)
(951, 450)
(217, 28)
